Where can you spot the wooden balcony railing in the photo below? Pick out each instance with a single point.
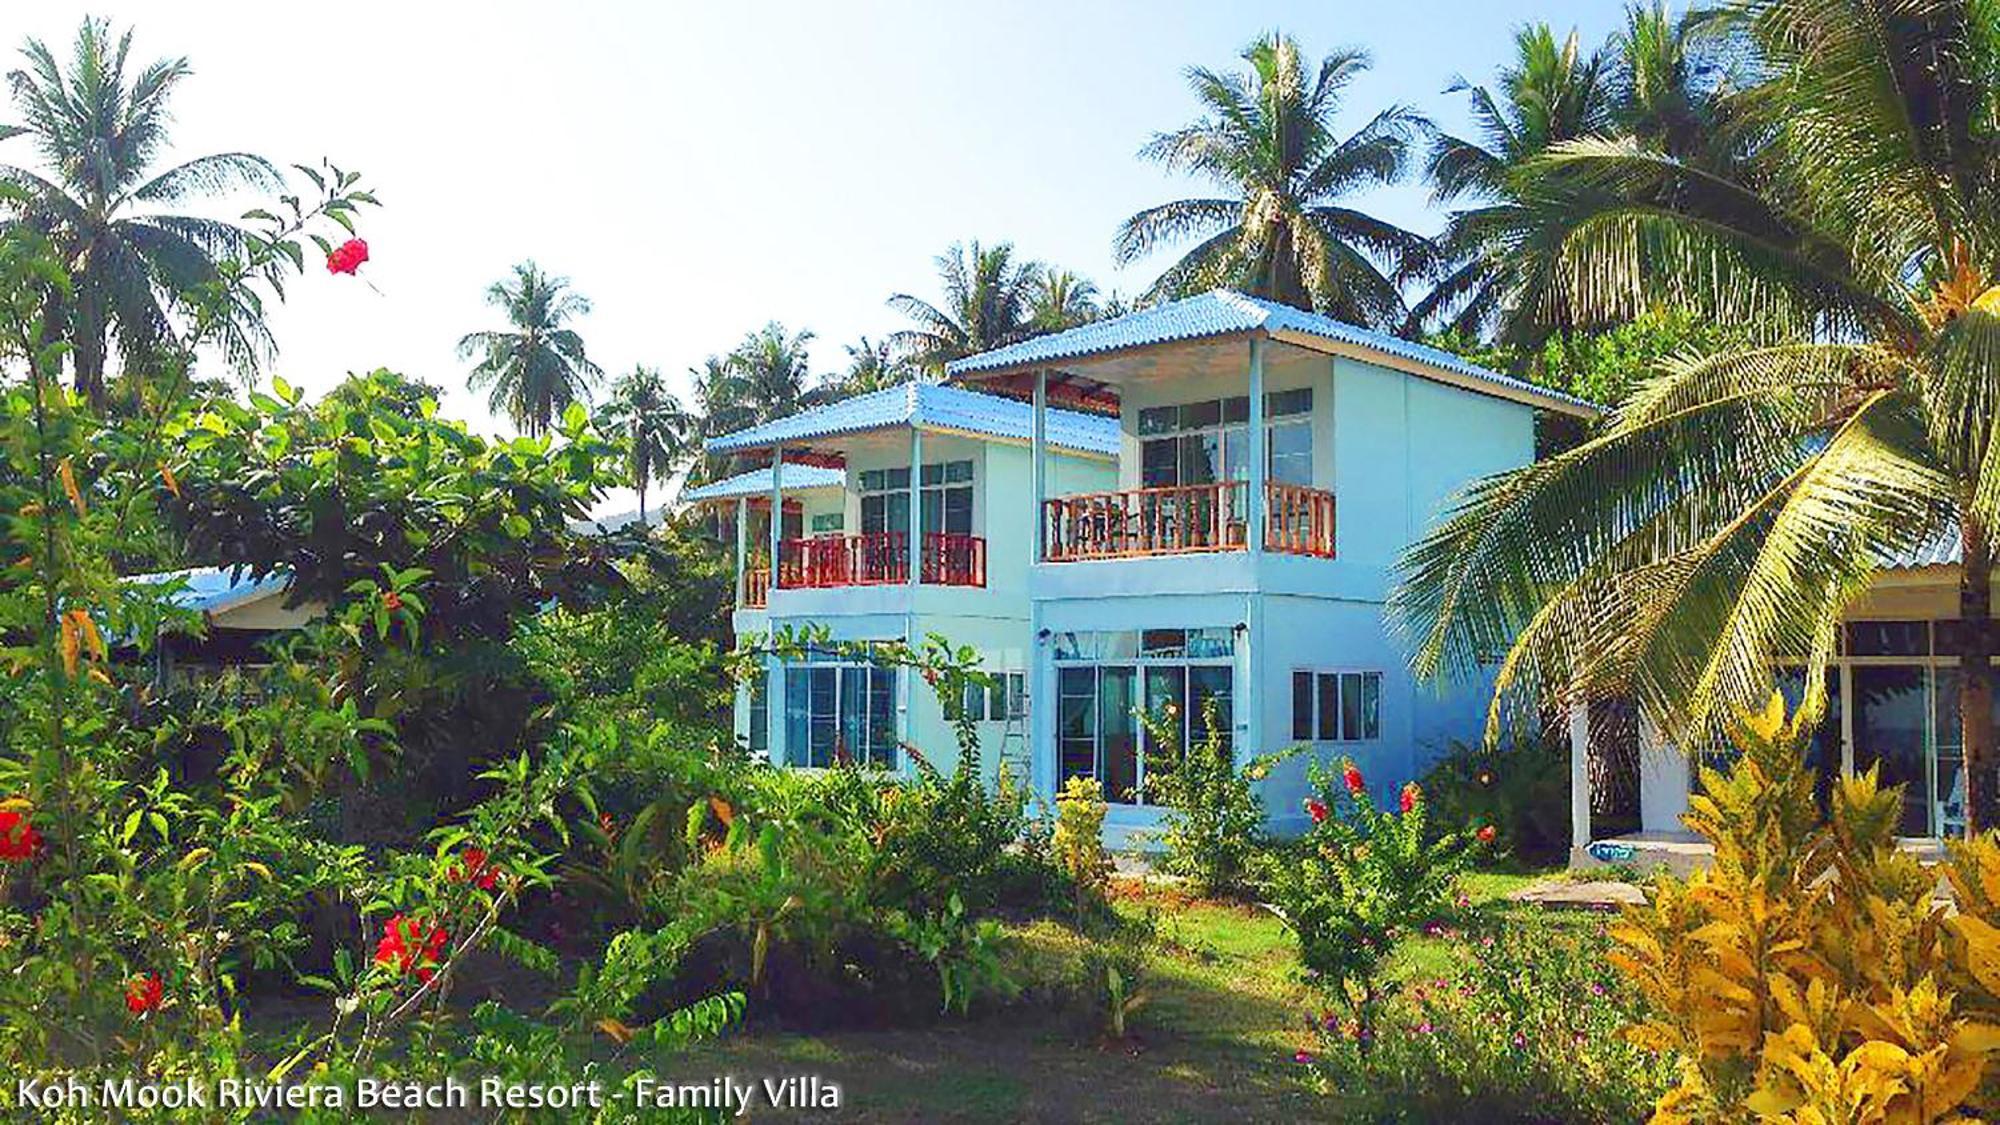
(1184, 519)
(1298, 520)
(757, 587)
(880, 559)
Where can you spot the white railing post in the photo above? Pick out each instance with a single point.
(1579, 780)
(1253, 507)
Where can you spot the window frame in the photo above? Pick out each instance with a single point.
(936, 488)
(1138, 666)
(1316, 694)
(1229, 431)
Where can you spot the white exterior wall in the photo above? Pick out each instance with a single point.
(1393, 447)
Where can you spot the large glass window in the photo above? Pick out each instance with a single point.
(760, 713)
(1006, 697)
(1174, 674)
(944, 494)
(833, 709)
(1208, 442)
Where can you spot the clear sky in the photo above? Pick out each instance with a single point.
(698, 169)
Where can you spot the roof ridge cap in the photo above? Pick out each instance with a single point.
(1243, 302)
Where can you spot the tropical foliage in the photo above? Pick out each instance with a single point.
(536, 366)
(109, 212)
(990, 300)
(1810, 975)
(660, 435)
(1739, 502)
(1283, 231)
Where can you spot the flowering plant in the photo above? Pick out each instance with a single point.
(1358, 878)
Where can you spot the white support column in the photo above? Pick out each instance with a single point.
(777, 509)
(1041, 467)
(1254, 503)
(916, 544)
(1248, 694)
(774, 684)
(1579, 779)
(1664, 780)
(742, 548)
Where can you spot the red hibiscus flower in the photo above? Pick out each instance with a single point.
(1486, 833)
(143, 993)
(473, 868)
(1355, 783)
(347, 257)
(411, 943)
(1316, 809)
(1411, 795)
(19, 842)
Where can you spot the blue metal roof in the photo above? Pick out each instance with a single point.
(1224, 312)
(932, 406)
(212, 589)
(1945, 550)
(757, 482)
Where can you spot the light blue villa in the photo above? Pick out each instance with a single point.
(903, 513)
(1272, 466)
(1192, 508)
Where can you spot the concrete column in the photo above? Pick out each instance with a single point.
(742, 547)
(1248, 693)
(1664, 780)
(1579, 777)
(916, 544)
(777, 509)
(1040, 470)
(1254, 503)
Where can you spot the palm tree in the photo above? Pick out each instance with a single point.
(987, 300)
(1061, 300)
(1282, 232)
(659, 433)
(1552, 92)
(1662, 80)
(536, 366)
(1737, 504)
(871, 366)
(769, 372)
(107, 210)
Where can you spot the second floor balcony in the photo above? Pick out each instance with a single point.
(874, 559)
(1186, 519)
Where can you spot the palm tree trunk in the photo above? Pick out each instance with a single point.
(1975, 687)
(642, 502)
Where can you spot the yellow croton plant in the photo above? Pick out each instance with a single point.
(1815, 973)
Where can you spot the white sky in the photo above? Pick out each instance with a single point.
(699, 169)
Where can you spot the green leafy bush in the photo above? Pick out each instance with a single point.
(1214, 822)
(1356, 881)
(1520, 787)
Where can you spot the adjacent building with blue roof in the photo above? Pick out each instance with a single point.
(900, 513)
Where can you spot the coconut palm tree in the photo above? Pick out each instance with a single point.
(1062, 299)
(871, 366)
(1281, 231)
(769, 373)
(988, 297)
(1662, 80)
(659, 433)
(109, 211)
(535, 367)
(1738, 504)
(1551, 92)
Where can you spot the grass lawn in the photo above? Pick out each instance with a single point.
(1214, 1041)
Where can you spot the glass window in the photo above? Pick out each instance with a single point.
(828, 523)
(1159, 419)
(760, 713)
(1280, 404)
(1098, 730)
(1076, 721)
(839, 708)
(1291, 453)
(1337, 706)
(1163, 642)
(1206, 442)
(1888, 638)
(1118, 735)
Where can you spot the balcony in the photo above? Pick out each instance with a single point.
(757, 587)
(880, 559)
(1185, 520)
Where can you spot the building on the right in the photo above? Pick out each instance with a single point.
(1892, 704)
(1273, 465)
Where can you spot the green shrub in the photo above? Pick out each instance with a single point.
(1356, 881)
(1076, 843)
(1214, 821)
(1527, 1029)
(1520, 787)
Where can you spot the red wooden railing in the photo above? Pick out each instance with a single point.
(1298, 520)
(1184, 519)
(953, 560)
(880, 559)
(757, 587)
